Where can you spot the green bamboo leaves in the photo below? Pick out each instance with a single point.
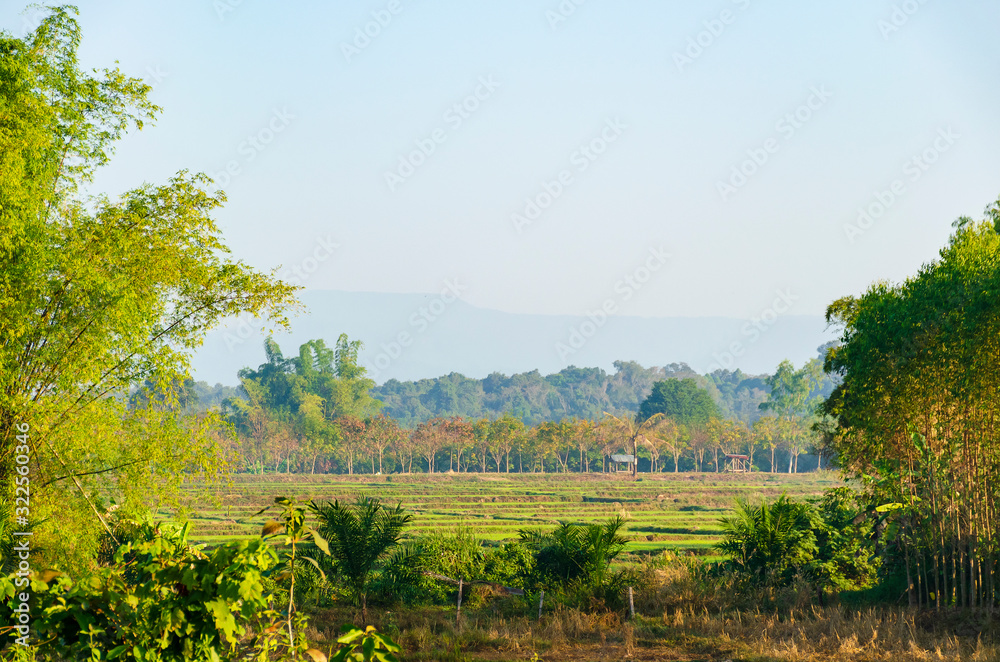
(917, 415)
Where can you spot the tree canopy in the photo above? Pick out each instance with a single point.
(679, 399)
(99, 294)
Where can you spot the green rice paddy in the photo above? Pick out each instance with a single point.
(663, 511)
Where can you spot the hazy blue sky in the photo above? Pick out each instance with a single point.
(338, 120)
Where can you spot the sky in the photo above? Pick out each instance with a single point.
(540, 152)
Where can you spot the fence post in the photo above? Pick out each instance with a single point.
(458, 612)
(631, 603)
(541, 599)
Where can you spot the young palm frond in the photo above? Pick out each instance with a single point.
(768, 540)
(360, 535)
(578, 551)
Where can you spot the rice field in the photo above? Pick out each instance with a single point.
(664, 511)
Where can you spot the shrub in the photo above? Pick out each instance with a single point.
(816, 545)
(574, 562)
(163, 601)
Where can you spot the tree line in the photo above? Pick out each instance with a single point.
(317, 411)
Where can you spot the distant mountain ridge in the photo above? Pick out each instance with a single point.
(416, 336)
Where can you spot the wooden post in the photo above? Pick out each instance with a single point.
(631, 603)
(458, 612)
(541, 599)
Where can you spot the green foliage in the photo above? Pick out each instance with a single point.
(462, 555)
(769, 543)
(360, 536)
(582, 393)
(576, 559)
(739, 394)
(8, 539)
(681, 400)
(916, 415)
(366, 645)
(845, 559)
(304, 398)
(790, 389)
(99, 294)
(825, 542)
(162, 600)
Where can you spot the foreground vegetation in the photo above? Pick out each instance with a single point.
(557, 594)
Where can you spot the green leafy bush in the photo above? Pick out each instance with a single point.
(823, 543)
(573, 563)
(162, 601)
(462, 555)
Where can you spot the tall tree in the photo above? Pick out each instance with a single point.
(382, 432)
(98, 294)
(503, 436)
(681, 400)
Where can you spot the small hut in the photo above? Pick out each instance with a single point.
(627, 460)
(737, 464)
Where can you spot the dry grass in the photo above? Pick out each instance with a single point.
(832, 634)
(683, 616)
(837, 635)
